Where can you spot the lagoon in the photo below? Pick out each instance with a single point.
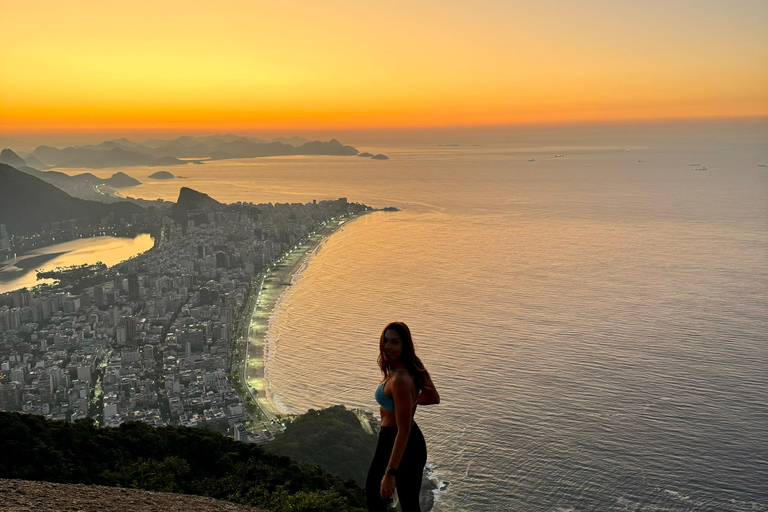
(21, 272)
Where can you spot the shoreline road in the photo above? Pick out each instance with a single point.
(268, 291)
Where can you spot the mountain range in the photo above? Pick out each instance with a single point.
(80, 185)
(125, 153)
(27, 201)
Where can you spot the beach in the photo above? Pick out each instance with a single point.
(269, 291)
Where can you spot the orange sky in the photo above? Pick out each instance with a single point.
(253, 65)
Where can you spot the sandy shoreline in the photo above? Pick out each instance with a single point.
(270, 290)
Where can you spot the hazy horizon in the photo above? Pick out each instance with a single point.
(439, 135)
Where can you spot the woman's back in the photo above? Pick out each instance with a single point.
(384, 396)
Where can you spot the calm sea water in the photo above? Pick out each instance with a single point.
(596, 323)
(110, 250)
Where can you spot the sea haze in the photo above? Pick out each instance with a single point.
(595, 322)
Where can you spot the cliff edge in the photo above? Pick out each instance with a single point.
(28, 496)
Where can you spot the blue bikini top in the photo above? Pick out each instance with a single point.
(386, 401)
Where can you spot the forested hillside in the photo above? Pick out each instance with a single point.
(175, 459)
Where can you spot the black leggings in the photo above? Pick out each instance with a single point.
(409, 471)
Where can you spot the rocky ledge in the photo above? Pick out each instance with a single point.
(27, 496)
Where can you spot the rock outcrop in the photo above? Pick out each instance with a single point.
(8, 157)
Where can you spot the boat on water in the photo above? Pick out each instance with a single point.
(560, 155)
(532, 160)
(762, 165)
(700, 168)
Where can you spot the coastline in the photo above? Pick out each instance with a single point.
(269, 291)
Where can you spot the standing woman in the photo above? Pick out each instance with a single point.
(401, 452)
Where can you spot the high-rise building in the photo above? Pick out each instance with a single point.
(133, 287)
(47, 308)
(14, 317)
(21, 298)
(71, 305)
(228, 316)
(84, 373)
(126, 331)
(10, 396)
(56, 378)
(98, 295)
(5, 320)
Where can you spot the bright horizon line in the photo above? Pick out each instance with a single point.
(280, 131)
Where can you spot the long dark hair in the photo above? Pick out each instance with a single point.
(408, 356)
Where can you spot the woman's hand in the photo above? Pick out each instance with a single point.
(387, 486)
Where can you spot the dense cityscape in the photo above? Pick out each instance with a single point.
(151, 339)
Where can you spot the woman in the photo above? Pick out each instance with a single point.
(401, 452)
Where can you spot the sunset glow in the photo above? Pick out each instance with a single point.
(195, 65)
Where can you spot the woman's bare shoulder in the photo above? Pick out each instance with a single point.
(402, 378)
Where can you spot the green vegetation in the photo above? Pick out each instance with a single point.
(74, 273)
(79, 277)
(175, 459)
(331, 438)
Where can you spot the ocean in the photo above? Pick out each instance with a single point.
(595, 322)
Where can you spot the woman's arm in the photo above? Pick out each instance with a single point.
(402, 386)
(429, 395)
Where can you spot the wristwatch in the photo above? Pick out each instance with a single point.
(391, 471)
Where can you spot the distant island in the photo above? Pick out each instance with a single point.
(161, 175)
(374, 157)
(119, 180)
